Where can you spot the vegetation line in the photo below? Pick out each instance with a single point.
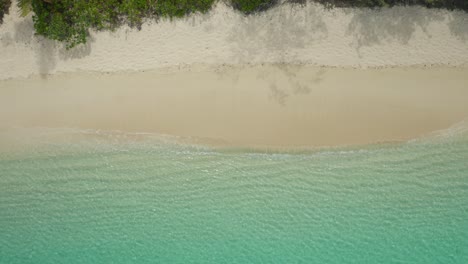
(4, 6)
(69, 21)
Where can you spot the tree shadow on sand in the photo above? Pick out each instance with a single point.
(262, 32)
(458, 24)
(296, 85)
(47, 52)
(371, 27)
(261, 39)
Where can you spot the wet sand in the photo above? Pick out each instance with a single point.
(263, 106)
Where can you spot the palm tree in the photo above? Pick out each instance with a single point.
(25, 7)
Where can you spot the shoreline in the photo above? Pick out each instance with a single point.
(288, 77)
(269, 106)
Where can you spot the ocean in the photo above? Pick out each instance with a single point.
(82, 196)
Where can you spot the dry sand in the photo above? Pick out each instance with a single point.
(311, 35)
(270, 105)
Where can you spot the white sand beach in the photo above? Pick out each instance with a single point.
(290, 34)
(292, 76)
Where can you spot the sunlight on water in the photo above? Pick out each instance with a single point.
(115, 198)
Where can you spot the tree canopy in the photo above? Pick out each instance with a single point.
(70, 20)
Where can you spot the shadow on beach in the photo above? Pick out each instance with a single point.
(278, 35)
(48, 52)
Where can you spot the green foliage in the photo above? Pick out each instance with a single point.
(25, 7)
(4, 6)
(136, 10)
(450, 4)
(251, 6)
(179, 8)
(69, 21)
(370, 3)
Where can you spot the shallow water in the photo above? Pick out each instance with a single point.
(91, 197)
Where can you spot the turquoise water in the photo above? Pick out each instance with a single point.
(116, 198)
